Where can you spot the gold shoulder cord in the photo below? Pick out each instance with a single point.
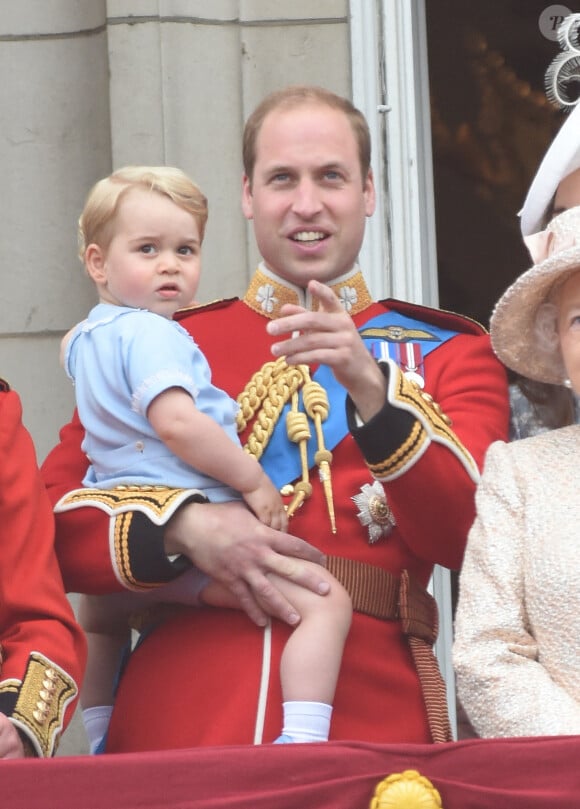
(264, 397)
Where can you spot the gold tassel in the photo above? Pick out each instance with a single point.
(299, 432)
(317, 407)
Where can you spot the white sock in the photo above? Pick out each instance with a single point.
(96, 721)
(307, 721)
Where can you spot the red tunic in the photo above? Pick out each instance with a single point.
(42, 647)
(195, 680)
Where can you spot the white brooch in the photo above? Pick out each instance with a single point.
(374, 511)
(348, 296)
(266, 298)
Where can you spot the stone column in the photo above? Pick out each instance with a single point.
(54, 141)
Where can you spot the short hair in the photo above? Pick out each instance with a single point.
(102, 203)
(296, 96)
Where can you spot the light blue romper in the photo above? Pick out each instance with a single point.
(120, 359)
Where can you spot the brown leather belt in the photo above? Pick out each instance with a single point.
(380, 594)
(373, 591)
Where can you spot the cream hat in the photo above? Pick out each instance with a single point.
(561, 159)
(523, 331)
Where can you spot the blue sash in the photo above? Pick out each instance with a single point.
(281, 459)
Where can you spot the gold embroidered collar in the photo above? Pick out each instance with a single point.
(267, 292)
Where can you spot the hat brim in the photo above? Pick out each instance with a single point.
(561, 159)
(513, 322)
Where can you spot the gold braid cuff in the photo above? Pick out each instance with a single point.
(41, 702)
(159, 503)
(431, 424)
(137, 515)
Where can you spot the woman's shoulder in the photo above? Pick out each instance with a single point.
(537, 448)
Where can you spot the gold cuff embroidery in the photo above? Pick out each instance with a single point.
(159, 503)
(43, 696)
(431, 425)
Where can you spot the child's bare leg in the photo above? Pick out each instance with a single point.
(107, 632)
(311, 659)
(105, 652)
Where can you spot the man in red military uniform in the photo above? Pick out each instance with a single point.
(42, 649)
(380, 475)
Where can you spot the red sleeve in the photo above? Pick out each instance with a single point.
(429, 450)
(42, 647)
(101, 553)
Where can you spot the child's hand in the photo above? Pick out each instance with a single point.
(266, 503)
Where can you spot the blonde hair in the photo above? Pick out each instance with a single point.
(102, 204)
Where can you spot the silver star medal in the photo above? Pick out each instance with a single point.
(373, 511)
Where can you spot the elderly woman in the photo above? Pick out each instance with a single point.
(517, 650)
(539, 406)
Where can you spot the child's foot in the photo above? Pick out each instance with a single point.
(284, 739)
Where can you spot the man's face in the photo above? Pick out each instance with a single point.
(307, 197)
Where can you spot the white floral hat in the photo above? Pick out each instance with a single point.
(521, 336)
(563, 156)
(561, 159)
